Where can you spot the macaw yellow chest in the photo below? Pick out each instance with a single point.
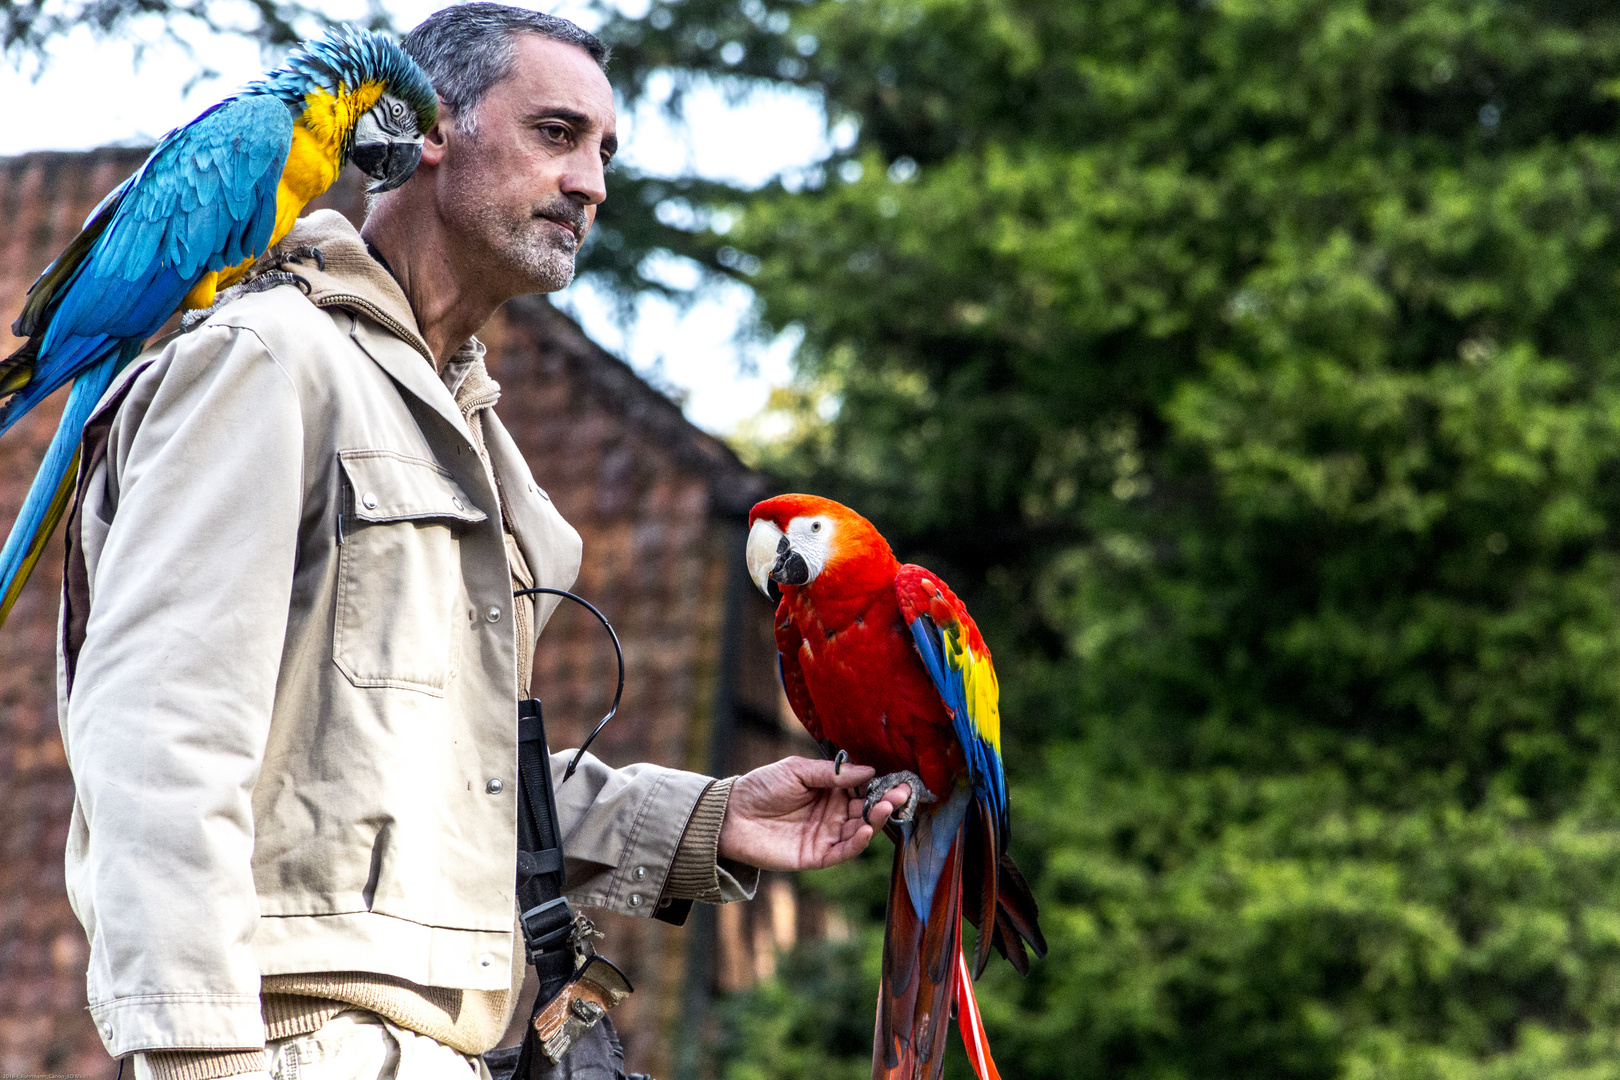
(319, 140)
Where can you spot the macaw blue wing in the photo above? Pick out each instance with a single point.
(960, 668)
(204, 200)
(958, 664)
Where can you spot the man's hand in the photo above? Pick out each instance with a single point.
(796, 815)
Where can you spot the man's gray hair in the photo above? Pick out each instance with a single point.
(468, 48)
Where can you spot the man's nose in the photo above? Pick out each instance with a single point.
(585, 179)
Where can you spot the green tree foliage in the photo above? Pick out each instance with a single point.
(1254, 370)
(28, 28)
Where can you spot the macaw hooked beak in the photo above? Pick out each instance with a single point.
(771, 558)
(390, 163)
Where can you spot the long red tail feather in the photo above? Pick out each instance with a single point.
(919, 975)
(971, 1023)
(926, 971)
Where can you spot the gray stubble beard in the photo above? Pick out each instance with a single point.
(547, 263)
(525, 247)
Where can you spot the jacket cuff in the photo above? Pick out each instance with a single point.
(698, 873)
(145, 1023)
(203, 1064)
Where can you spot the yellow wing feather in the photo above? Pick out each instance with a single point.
(982, 691)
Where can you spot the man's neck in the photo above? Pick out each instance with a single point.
(449, 303)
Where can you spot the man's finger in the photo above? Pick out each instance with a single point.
(892, 800)
(820, 774)
(885, 807)
(850, 846)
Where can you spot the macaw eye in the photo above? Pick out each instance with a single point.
(815, 526)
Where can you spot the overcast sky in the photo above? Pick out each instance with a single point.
(92, 93)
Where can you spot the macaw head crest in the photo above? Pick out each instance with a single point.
(396, 94)
(794, 540)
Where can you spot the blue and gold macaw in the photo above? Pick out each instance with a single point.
(212, 197)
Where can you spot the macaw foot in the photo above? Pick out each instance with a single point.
(258, 283)
(838, 762)
(305, 254)
(884, 784)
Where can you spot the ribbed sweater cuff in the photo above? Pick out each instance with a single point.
(289, 1015)
(695, 874)
(203, 1064)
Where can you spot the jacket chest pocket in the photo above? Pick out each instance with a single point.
(399, 583)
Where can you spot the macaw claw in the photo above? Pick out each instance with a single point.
(307, 253)
(884, 784)
(257, 283)
(838, 761)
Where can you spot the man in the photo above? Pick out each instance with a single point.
(291, 654)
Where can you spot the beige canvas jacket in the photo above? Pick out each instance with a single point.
(288, 672)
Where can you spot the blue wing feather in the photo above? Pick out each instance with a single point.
(155, 248)
(984, 760)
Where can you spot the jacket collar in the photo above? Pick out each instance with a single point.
(346, 276)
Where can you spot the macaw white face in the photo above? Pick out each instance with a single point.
(390, 118)
(386, 145)
(794, 557)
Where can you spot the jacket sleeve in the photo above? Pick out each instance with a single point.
(169, 709)
(623, 828)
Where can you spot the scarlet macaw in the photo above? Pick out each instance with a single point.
(882, 663)
(212, 197)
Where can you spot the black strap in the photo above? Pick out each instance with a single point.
(545, 916)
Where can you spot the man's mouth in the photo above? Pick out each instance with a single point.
(575, 229)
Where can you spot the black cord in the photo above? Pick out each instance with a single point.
(617, 648)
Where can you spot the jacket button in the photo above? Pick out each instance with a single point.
(639, 873)
(635, 899)
(369, 500)
(494, 787)
(459, 505)
(493, 614)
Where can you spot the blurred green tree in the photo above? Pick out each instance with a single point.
(1254, 371)
(28, 28)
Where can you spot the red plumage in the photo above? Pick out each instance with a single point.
(854, 675)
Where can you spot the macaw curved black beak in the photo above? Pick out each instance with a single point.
(389, 163)
(772, 559)
(790, 568)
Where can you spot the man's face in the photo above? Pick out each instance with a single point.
(521, 192)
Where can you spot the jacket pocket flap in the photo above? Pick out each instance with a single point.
(388, 486)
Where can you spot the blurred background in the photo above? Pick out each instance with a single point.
(1252, 370)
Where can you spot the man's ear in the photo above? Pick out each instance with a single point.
(437, 139)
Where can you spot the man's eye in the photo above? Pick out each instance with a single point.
(554, 133)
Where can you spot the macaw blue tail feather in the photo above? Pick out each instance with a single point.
(927, 848)
(48, 495)
(75, 354)
(32, 546)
